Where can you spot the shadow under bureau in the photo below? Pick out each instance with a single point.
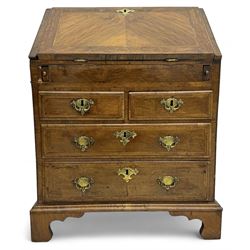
(125, 107)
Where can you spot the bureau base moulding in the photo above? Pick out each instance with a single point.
(209, 213)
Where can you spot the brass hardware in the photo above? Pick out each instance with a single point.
(125, 11)
(172, 60)
(83, 183)
(125, 136)
(169, 141)
(206, 72)
(84, 142)
(127, 173)
(80, 60)
(44, 74)
(171, 104)
(167, 182)
(82, 105)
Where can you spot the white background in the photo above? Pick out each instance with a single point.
(19, 22)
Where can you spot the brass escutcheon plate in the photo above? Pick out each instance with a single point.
(125, 136)
(125, 11)
(171, 104)
(127, 173)
(82, 105)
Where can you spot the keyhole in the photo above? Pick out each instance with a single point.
(124, 134)
(126, 171)
(125, 10)
(82, 102)
(171, 103)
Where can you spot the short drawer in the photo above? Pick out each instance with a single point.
(170, 105)
(81, 105)
(137, 140)
(126, 181)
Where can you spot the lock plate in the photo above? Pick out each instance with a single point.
(82, 105)
(125, 11)
(125, 136)
(171, 104)
(127, 173)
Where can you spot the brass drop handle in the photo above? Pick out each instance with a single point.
(83, 142)
(82, 105)
(83, 183)
(125, 136)
(127, 173)
(169, 141)
(171, 104)
(167, 182)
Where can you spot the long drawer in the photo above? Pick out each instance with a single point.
(174, 105)
(125, 75)
(79, 105)
(173, 140)
(126, 181)
(122, 73)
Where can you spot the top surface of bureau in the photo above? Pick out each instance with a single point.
(125, 34)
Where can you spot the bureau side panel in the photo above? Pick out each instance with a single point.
(215, 88)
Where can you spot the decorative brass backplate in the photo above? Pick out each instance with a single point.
(127, 173)
(125, 136)
(171, 104)
(125, 11)
(169, 141)
(84, 142)
(167, 182)
(82, 105)
(83, 183)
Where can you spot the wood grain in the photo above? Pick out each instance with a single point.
(118, 74)
(40, 222)
(57, 105)
(195, 141)
(211, 222)
(147, 105)
(209, 213)
(127, 64)
(102, 33)
(108, 186)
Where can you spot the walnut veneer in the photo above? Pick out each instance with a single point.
(125, 108)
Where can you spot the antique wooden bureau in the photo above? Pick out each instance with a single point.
(125, 107)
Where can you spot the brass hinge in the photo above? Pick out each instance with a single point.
(44, 74)
(80, 60)
(206, 73)
(171, 59)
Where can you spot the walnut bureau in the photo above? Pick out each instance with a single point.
(125, 111)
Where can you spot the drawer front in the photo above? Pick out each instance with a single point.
(81, 105)
(107, 181)
(125, 73)
(170, 105)
(108, 140)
